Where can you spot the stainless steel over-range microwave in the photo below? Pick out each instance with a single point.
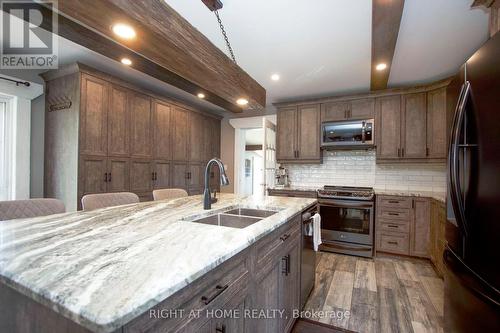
(348, 134)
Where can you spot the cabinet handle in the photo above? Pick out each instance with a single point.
(427, 151)
(393, 226)
(399, 152)
(413, 203)
(284, 237)
(219, 290)
(109, 177)
(285, 269)
(392, 243)
(393, 201)
(152, 176)
(156, 175)
(393, 214)
(221, 328)
(402, 152)
(105, 177)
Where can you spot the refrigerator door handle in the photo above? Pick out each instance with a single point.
(453, 162)
(469, 279)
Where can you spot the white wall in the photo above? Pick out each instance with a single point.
(358, 168)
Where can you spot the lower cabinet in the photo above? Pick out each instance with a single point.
(437, 235)
(255, 291)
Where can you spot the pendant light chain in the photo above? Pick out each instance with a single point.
(225, 36)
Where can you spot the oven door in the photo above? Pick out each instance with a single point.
(347, 221)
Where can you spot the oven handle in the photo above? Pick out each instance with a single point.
(348, 204)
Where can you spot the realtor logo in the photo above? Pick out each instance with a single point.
(29, 35)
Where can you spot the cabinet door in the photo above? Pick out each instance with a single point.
(162, 174)
(92, 177)
(433, 233)
(196, 136)
(309, 133)
(414, 126)
(118, 175)
(388, 127)
(179, 175)
(268, 297)
(290, 287)
(162, 144)
(362, 108)
(211, 140)
(436, 123)
(93, 116)
(286, 133)
(179, 134)
(420, 228)
(118, 122)
(216, 138)
(236, 324)
(141, 126)
(195, 178)
(334, 111)
(141, 176)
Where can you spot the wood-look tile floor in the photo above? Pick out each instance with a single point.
(385, 294)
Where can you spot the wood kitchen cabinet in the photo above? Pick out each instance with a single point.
(107, 135)
(298, 134)
(403, 225)
(437, 235)
(414, 125)
(436, 124)
(363, 108)
(388, 127)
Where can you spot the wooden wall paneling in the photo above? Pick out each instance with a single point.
(414, 125)
(362, 108)
(196, 136)
(141, 126)
(141, 175)
(118, 174)
(162, 130)
(167, 47)
(388, 127)
(286, 134)
(180, 134)
(386, 18)
(118, 129)
(179, 175)
(436, 124)
(162, 174)
(93, 116)
(92, 175)
(308, 132)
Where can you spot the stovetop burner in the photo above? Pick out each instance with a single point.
(346, 192)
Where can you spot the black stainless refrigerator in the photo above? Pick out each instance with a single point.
(472, 255)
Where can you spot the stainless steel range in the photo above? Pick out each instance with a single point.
(347, 216)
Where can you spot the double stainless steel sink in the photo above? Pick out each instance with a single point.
(236, 217)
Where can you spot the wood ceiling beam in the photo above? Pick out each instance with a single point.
(166, 47)
(386, 19)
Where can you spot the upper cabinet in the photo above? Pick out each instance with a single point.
(436, 123)
(298, 134)
(412, 127)
(141, 126)
(363, 108)
(162, 130)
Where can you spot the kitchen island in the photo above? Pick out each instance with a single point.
(104, 270)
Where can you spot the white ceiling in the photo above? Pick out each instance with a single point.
(323, 47)
(435, 37)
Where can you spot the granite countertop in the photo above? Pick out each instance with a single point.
(105, 267)
(439, 196)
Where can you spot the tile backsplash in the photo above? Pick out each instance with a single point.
(358, 168)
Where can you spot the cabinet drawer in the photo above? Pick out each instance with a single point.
(394, 202)
(209, 292)
(393, 242)
(271, 246)
(394, 213)
(393, 226)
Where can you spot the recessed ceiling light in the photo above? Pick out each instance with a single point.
(275, 77)
(242, 101)
(124, 31)
(381, 66)
(201, 95)
(126, 61)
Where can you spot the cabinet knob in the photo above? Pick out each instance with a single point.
(105, 177)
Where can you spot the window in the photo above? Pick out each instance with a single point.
(5, 148)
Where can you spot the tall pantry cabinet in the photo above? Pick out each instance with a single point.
(106, 135)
